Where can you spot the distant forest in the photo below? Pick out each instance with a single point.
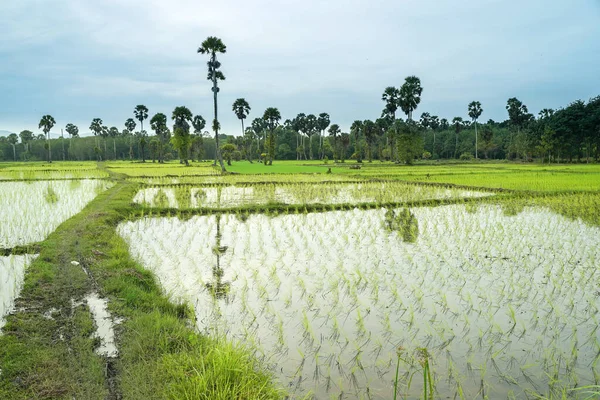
(570, 134)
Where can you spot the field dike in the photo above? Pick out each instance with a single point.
(84, 293)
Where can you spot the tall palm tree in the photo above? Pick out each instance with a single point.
(141, 113)
(96, 128)
(370, 129)
(322, 124)
(355, 129)
(299, 126)
(458, 125)
(271, 118)
(475, 111)
(46, 123)
(310, 127)
(182, 116)
(26, 137)
(334, 132)
(73, 132)
(158, 123)
(391, 96)
(130, 127)
(410, 95)
(113, 132)
(241, 109)
(13, 139)
(213, 45)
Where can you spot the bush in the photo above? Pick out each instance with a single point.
(426, 155)
(466, 156)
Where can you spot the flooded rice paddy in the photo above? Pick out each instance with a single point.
(332, 193)
(30, 211)
(505, 301)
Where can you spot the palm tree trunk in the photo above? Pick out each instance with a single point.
(49, 149)
(14, 152)
(476, 139)
(62, 141)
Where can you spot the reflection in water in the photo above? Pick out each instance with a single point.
(404, 222)
(217, 288)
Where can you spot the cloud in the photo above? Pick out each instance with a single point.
(80, 59)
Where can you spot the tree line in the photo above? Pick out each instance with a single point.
(569, 134)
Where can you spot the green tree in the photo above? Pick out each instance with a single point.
(142, 141)
(241, 109)
(227, 150)
(141, 113)
(113, 132)
(355, 129)
(213, 45)
(458, 125)
(271, 118)
(96, 128)
(475, 111)
(370, 131)
(46, 124)
(391, 97)
(26, 137)
(181, 140)
(158, 123)
(199, 123)
(345, 139)
(13, 139)
(310, 127)
(323, 122)
(517, 116)
(334, 132)
(130, 127)
(410, 141)
(410, 95)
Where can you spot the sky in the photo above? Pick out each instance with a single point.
(81, 59)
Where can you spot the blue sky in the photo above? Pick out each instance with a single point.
(82, 59)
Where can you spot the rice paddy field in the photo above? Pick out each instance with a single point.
(301, 280)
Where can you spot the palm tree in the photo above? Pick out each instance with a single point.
(141, 113)
(46, 123)
(213, 45)
(391, 96)
(130, 127)
(158, 123)
(241, 109)
(26, 137)
(345, 138)
(299, 126)
(475, 111)
(258, 126)
(410, 95)
(310, 126)
(13, 139)
(73, 132)
(271, 118)
(334, 132)
(322, 124)
(113, 132)
(370, 130)
(198, 123)
(96, 128)
(458, 125)
(355, 129)
(182, 116)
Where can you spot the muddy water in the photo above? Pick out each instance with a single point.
(501, 301)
